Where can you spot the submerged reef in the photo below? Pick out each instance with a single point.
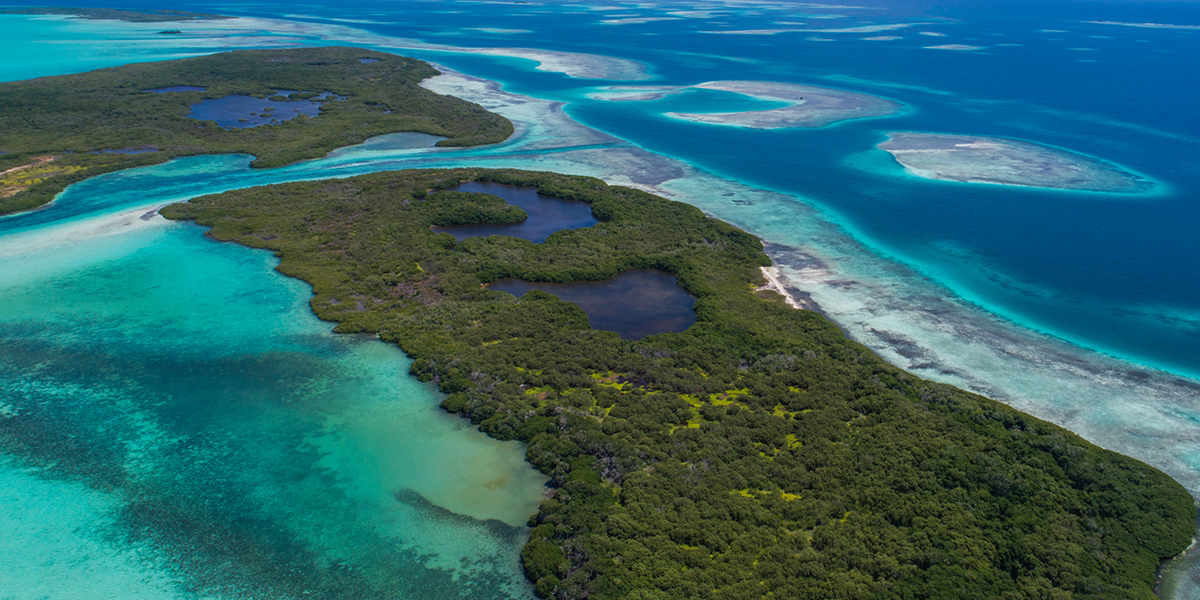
(976, 159)
(760, 452)
(808, 105)
(76, 118)
(117, 14)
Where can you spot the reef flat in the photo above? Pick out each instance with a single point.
(976, 159)
(758, 453)
(128, 116)
(116, 14)
(808, 105)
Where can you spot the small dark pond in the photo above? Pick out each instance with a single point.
(368, 60)
(546, 214)
(177, 88)
(241, 112)
(635, 304)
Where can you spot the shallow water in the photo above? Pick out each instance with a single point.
(1077, 307)
(545, 214)
(635, 304)
(203, 431)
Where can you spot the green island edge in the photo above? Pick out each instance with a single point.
(758, 454)
(55, 131)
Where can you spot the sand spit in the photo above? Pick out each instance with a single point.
(771, 274)
(15, 245)
(974, 159)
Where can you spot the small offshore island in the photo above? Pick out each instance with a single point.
(757, 453)
(976, 159)
(55, 131)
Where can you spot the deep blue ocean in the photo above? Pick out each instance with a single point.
(1080, 307)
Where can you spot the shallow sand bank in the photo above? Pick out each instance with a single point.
(809, 105)
(976, 159)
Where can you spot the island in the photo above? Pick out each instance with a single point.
(758, 453)
(978, 159)
(280, 106)
(807, 105)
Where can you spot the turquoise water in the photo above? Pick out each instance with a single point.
(1081, 308)
(204, 435)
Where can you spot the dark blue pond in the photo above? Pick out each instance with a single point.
(368, 60)
(177, 88)
(241, 112)
(635, 304)
(546, 214)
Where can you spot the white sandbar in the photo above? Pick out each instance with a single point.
(809, 105)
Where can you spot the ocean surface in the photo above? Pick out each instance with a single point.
(159, 388)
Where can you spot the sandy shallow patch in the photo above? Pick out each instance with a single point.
(954, 47)
(975, 159)
(808, 105)
(811, 106)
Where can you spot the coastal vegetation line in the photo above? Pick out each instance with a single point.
(759, 453)
(106, 120)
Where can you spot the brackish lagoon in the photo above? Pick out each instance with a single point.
(240, 112)
(635, 304)
(546, 215)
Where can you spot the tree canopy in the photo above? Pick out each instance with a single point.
(58, 130)
(758, 454)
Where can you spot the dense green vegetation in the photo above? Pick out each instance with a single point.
(115, 14)
(759, 454)
(76, 118)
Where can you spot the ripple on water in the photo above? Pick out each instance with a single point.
(209, 436)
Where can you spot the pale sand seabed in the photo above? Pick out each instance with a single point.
(808, 105)
(245, 32)
(978, 159)
(345, 504)
(1145, 25)
(954, 47)
(859, 29)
